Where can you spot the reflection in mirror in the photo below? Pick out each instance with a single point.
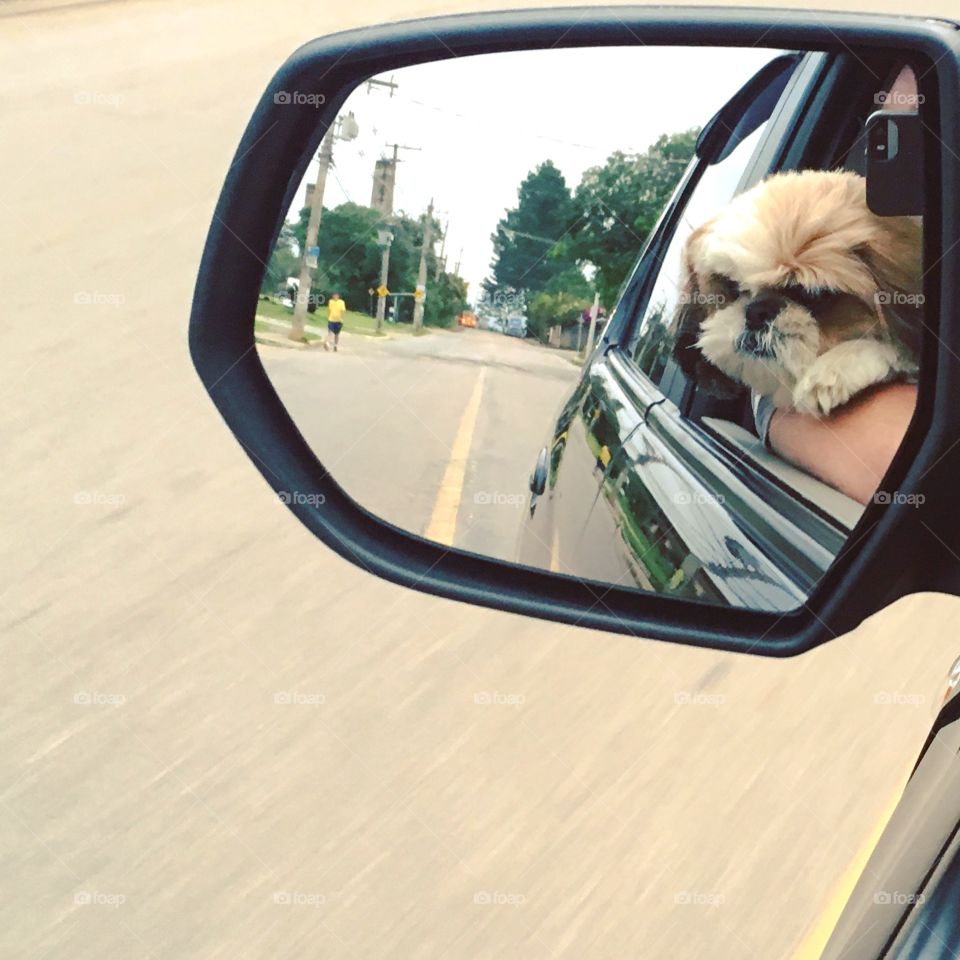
(465, 239)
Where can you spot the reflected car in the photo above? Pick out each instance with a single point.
(516, 326)
(647, 480)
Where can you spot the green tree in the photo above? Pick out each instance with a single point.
(547, 310)
(283, 262)
(619, 203)
(523, 258)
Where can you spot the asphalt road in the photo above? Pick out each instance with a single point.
(218, 740)
(384, 417)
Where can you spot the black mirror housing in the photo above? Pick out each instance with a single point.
(902, 547)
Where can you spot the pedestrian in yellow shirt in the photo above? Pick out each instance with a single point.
(335, 311)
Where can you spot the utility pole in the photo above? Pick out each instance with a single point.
(384, 238)
(308, 255)
(421, 292)
(384, 178)
(442, 260)
(382, 83)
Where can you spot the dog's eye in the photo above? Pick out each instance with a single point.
(804, 295)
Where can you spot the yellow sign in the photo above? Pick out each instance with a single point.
(419, 294)
(382, 290)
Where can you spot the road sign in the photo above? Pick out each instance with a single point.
(421, 294)
(313, 254)
(383, 291)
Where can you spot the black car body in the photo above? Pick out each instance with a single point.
(651, 481)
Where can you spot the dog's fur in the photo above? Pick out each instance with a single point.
(842, 287)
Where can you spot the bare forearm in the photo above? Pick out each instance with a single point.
(852, 448)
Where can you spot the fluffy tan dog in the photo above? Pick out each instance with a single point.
(797, 290)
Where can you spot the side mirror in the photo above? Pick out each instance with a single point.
(567, 223)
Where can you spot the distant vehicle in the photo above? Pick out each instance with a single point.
(467, 319)
(516, 325)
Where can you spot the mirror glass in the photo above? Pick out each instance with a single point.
(607, 313)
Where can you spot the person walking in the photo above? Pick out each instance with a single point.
(335, 311)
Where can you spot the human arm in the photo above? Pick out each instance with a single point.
(852, 448)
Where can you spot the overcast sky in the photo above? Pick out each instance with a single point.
(484, 122)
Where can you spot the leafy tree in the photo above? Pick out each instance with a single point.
(446, 300)
(283, 262)
(524, 260)
(349, 261)
(619, 203)
(546, 310)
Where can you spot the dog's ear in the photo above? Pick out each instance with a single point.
(690, 313)
(893, 260)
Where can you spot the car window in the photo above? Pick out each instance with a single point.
(652, 341)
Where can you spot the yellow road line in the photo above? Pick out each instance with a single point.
(816, 940)
(443, 522)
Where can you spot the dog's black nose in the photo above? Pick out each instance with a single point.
(761, 313)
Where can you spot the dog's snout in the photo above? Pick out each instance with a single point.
(761, 313)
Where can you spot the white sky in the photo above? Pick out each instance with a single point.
(484, 122)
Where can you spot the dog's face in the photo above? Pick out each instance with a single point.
(788, 270)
